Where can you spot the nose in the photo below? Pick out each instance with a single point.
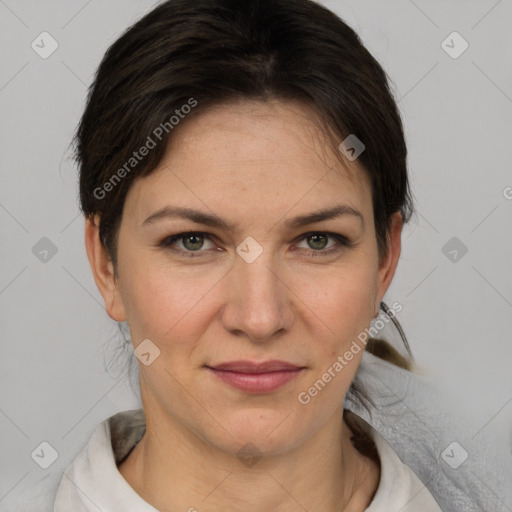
(259, 304)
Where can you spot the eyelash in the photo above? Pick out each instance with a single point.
(343, 242)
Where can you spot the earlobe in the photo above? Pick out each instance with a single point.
(103, 271)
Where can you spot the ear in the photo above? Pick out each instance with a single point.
(103, 271)
(388, 266)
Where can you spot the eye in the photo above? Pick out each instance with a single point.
(189, 242)
(319, 242)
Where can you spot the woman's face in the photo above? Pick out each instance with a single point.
(254, 283)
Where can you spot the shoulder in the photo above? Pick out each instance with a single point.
(431, 435)
(33, 494)
(399, 487)
(111, 440)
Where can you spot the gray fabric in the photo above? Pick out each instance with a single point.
(419, 421)
(409, 412)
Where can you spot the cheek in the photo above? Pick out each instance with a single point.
(343, 301)
(345, 307)
(163, 302)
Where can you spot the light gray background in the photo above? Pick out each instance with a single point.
(56, 337)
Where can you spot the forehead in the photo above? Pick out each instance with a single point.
(252, 153)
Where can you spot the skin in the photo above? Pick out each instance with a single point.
(255, 165)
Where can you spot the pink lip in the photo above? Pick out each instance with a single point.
(253, 377)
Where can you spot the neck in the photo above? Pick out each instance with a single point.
(172, 469)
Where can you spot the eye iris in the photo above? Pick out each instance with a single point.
(318, 239)
(197, 242)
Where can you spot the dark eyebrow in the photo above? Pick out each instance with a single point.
(208, 219)
(329, 213)
(214, 221)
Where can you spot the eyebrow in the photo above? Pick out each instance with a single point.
(215, 221)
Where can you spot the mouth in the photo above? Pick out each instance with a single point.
(256, 377)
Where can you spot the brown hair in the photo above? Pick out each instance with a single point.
(203, 53)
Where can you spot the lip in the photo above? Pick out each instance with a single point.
(256, 377)
(245, 366)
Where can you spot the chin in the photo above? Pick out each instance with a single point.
(263, 431)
